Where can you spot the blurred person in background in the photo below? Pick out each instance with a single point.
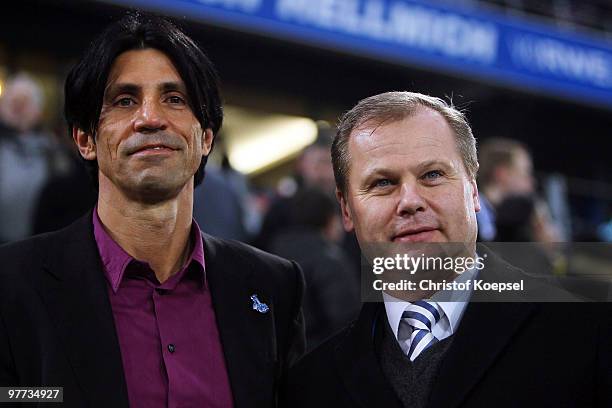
(67, 195)
(64, 198)
(28, 156)
(133, 305)
(510, 207)
(511, 211)
(331, 300)
(218, 205)
(314, 166)
(313, 169)
(252, 215)
(525, 219)
(506, 169)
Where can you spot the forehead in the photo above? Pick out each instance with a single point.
(424, 135)
(521, 158)
(143, 67)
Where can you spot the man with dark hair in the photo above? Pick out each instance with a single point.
(132, 304)
(506, 170)
(87, 83)
(405, 167)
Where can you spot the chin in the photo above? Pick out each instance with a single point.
(153, 190)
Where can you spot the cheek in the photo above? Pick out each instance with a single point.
(196, 142)
(453, 206)
(197, 138)
(466, 210)
(103, 152)
(374, 213)
(108, 140)
(443, 200)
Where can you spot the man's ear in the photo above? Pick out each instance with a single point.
(475, 197)
(347, 218)
(85, 143)
(207, 140)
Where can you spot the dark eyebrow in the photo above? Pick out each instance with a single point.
(133, 89)
(117, 89)
(172, 86)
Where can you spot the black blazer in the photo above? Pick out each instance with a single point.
(502, 355)
(57, 327)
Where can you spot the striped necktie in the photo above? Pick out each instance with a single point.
(421, 316)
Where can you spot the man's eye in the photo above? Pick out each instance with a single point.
(432, 175)
(382, 183)
(176, 100)
(124, 102)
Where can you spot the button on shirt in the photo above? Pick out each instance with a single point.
(170, 346)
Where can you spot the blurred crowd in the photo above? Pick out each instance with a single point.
(44, 186)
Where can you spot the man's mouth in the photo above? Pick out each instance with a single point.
(421, 234)
(152, 149)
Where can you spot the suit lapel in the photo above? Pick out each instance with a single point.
(358, 365)
(74, 290)
(485, 330)
(248, 337)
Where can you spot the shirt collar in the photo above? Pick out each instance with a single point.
(115, 259)
(453, 309)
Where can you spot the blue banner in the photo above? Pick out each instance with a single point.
(477, 44)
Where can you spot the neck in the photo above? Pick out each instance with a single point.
(157, 233)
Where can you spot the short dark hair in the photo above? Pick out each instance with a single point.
(394, 106)
(86, 81)
(313, 208)
(494, 153)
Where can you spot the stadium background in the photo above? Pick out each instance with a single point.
(273, 79)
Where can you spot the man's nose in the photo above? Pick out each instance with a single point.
(150, 117)
(410, 201)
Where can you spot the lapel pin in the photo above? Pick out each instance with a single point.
(259, 306)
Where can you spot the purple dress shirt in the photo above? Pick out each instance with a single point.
(170, 346)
